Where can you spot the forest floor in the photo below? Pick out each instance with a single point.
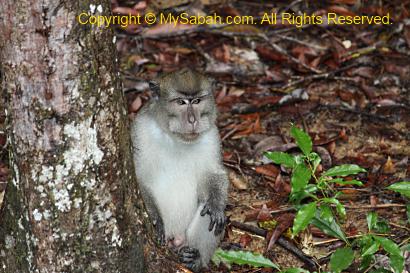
(348, 86)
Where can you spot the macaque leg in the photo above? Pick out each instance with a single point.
(199, 237)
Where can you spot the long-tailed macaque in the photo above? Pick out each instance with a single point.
(177, 157)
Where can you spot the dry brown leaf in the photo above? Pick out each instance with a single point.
(268, 170)
(331, 147)
(284, 222)
(373, 200)
(245, 240)
(164, 4)
(167, 28)
(347, 2)
(237, 181)
(341, 11)
(270, 54)
(125, 11)
(264, 214)
(242, 29)
(389, 167)
(141, 5)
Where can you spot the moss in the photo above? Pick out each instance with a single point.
(13, 211)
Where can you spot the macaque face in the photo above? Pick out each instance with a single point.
(185, 104)
(189, 116)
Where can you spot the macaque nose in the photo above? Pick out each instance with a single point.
(191, 115)
(191, 118)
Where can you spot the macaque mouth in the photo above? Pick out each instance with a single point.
(189, 136)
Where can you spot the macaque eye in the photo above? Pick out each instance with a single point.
(180, 102)
(196, 101)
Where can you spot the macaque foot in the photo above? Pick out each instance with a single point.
(190, 257)
(217, 218)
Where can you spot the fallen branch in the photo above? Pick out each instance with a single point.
(281, 241)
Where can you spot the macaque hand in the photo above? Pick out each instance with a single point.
(217, 217)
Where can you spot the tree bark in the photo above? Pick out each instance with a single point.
(73, 204)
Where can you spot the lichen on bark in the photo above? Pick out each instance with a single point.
(73, 204)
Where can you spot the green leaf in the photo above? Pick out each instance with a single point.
(326, 213)
(341, 259)
(302, 139)
(299, 159)
(376, 224)
(294, 270)
(371, 249)
(396, 257)
(401, 187)
(281, 158)
(241, 258)
(397, 263)
(388, 245)
(408, 213)
(382, 226)
(330, 228)
(300, 177)
(339, 207)
(303, 217)
(371, 220)
(308, 191)
(315, 158)
(346, 182)
(365, 262)
(344, 170)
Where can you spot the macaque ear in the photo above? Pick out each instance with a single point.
(154, 86)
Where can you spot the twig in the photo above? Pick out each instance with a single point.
(328, 75)
(380, 206)
(325, 242)
(282, 210)
(355, 111)
(281, 241)
(307, 44)
(282, 51)
(230, 133)
(399, 226)
(370, 267)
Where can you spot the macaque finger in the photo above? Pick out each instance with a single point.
(219, 226)
(212, 223)
(205, 210)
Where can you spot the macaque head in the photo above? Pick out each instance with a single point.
(186, 106)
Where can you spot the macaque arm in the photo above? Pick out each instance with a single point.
(215, 200)
(154, 215)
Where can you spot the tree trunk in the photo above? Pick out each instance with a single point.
(73, 204)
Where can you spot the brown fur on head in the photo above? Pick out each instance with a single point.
(185, 81)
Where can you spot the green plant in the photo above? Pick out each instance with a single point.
(241, 258)
(371, 243)
(401, 187)
(404, 189)
(324, 210)
(323, 205)
(307, 183)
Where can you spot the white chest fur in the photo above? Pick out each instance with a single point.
(173, 171)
